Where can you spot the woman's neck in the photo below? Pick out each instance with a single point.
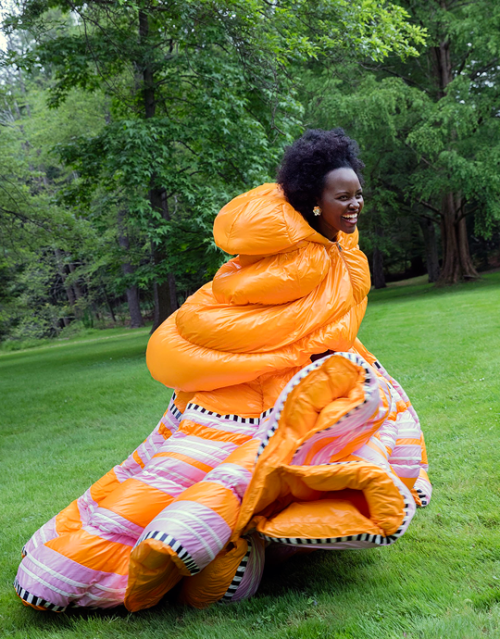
(327, 231)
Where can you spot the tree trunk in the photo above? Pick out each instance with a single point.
(79, 306)
(165, 294)
(23, 91)
(443, 70)
(133, 302)
(378, 268)
(431, 249)
(132, 292)
(69, 291)
(110, 305)
(108, 301)
(378, 261)
(76, 286)
(165, 303)
(457, 262)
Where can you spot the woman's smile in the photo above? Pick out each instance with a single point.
(351, 218)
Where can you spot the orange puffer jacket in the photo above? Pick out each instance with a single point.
(290, 293)
(260, 446)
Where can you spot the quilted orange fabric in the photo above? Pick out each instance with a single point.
(263, 444)
(288, 294)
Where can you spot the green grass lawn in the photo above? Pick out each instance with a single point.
(71, 411)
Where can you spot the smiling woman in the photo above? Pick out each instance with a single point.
(284, 431)
(321, 178)
(341, 203)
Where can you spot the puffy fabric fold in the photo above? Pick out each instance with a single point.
(318, 470)
(263, 444)
(272, 280)
(261, 222)
(251, 321)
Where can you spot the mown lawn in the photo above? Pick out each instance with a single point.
(71, 411)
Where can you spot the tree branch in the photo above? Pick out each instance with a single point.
(430, 207)
(466, 213)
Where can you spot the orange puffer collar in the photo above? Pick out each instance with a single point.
(288, 294)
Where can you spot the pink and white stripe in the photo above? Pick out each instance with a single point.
(63, 582)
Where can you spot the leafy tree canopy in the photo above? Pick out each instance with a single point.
(193, 102)
(430, 126)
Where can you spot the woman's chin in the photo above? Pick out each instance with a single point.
(348, 228)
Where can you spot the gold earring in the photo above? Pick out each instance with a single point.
(317, 210)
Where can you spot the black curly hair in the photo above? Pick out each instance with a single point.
(308, 160)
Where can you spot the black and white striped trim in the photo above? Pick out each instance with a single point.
(232, 418)
(423, 497)
(379, 540)
(36, 601)
(356, 359)
(359, 361)
(174, 410)
(240, 572)
(279, 407)
(299, 541)
(176, 546)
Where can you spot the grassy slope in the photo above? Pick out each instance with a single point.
(70, 412)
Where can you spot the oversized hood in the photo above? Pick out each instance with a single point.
(289, 293)
(262, 222)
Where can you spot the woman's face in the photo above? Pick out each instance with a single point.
(341, 203)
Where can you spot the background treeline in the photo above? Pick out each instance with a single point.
(126, 125)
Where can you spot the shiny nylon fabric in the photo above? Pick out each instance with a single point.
(204, 492)
(259, 445)
(289, 293)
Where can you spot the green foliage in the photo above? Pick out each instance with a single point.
(34, 313)
(427, 126)
(33, 227)
(194, 102)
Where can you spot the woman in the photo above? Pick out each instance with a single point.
(283, 430)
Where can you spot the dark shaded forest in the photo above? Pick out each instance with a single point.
(126, 125)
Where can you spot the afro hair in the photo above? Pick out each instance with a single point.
(307, 162)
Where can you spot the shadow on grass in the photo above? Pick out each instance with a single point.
(321, 571)
(82, 355)
(309, 576)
